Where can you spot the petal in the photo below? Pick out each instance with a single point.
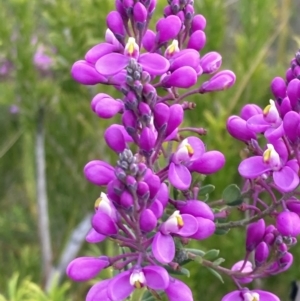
(184, 77)
(179, 176)
(157, 277)
(209, 163)
(86, 268)
(98, 291)
(190, 225)
(163, 248)
(178, 291)
(206, 228)
(111, 64)
(119, 288)
(233, 296)
(286, 179)
(96, 52)
(253, 167)
(154, 63)
(157, 208)
(257, 123)
(99, 172)
(273, 134)
(196, 208)
(104, 224)
(94, 237)
(149, 40)
(266, 296)
(198, 147)
(168, 28)
(115, 139)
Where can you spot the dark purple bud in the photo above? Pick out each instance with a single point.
(105, 106)
(289, 75)
(293, 92)
(129, 121)
(153, 182)
(255, 234)
(150, 94)
(278, 87)
(152, 7)
(149, 40)
(237, 128)
(140, 14)
(211, 62)
(291, 122)
(198, 23)
(176, 116)
(175, 6)
(167, 11)
(116, 186)
(131, 101)
(189, 12)
(142, 169)
(167, 29)
(86, 268)
(145, 112)
(282, 249)
(285, 106)
(120, 174)
(104, 224)
(142, 189)
(184, 77)
(147, 141)
(288, 223)
(86, 74)
(293, 205)
(161, 115)
(99, 172)
(261, 253)
(220, 81)
(250, 110)
(285, 262)
(114, 22)
(128, 6)
(148, 220)
(115, 138)
(121, 10)
(131, 183)
(126, 199)
(197, 40)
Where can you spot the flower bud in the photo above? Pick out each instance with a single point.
(99, 172)
(153, 182)
(105, 106)
(293, 205)
(140, 15)
(149, 40)
(114, 22)
(237, 128)
(293, 92)
(167, 29)
(104, 224)
(250, 110)
(291, 123)
(278, 87)
(246, 269)
(289, 75)
(288, 223)
(211, 62)
(195, 208)
(115, 138)
(129, 121)
(255, 234)
(147, 141)
(197, 40)
(220, 81)
(261, 253)
(184, 77)
(175, 119)
(198, 23)
(126, 199)
(147, 221)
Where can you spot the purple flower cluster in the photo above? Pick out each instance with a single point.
(272, 167)
(137, 211)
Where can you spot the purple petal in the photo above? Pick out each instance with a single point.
(266, 296)
(250, 110)
(114, 22)
(104, 224)
(209, 163)
(206, 228)
(184, 58)
(278, 87)
(119, 288)
(99, 172)
(86, 74)
(253, 167)
(154, 63)
(163, 248)
(211, 62)
(98, 291)
(257, 123)
(286, 179)
(293, 164)
(281, 149)
(179, 176)
(157, 277)
(111, 64)
(198, 147)
(237, 128)
(255, 233)
(86, 268)
(149, 40)
(148, 220)
(273, 134)
(163, 194)
(184, 77)
(175, 119)
(190, 225)
(96, 52)
(178, 291)
(106, 107)
(94, 237)
(197, 40)
(288, 223)
(198, 23)
(196, 208)
(168, 28)
(115, 139)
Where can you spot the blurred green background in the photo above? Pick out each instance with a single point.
(256, 38)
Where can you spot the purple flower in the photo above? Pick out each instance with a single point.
(288, 223)
(247, 268)
(254, 295)
(99, 172)
(284, 172)
(163, 246)
(178, 291)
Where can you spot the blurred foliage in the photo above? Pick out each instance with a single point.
(256, 39)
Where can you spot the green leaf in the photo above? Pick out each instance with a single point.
(219, 261)
(211, 254)
(138, 294)
(232, 195)
(215, 273)
(181, 271)
(221, 231)
(207, 189)
(196, 252)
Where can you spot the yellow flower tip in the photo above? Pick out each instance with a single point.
(180, 222)
(189, 149)
(266, 155)
(173, 47)
(138, 284)
(266, 110)
(131, 45)
(97, 203)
